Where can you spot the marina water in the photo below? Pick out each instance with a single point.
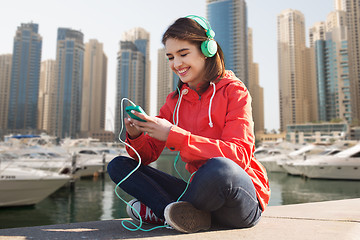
(94, 199)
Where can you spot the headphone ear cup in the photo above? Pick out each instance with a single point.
(209, 48)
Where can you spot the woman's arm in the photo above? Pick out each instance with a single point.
(153, 134)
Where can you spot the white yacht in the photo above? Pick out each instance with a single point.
(271, 162)
(92, 150)
(55, 160)
(343, 165)
(26, 186)
(271, 155)
(274, 162)
(290, 166)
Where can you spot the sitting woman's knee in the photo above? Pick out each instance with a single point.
(118, 164)
(221, 165)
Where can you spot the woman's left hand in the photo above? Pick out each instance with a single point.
(155, 127)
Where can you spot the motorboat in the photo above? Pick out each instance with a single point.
(91, 150)
(290, 165)
(277, 157)
(100, 155)
(55, 161)
(270, 155)
(26, 186)
(271, 162)
(343, 165)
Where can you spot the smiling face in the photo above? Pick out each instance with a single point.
(186, 60)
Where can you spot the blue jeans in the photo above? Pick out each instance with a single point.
(219, 186)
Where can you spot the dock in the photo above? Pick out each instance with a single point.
(331, 220)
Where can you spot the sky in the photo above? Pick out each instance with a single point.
(106, 21)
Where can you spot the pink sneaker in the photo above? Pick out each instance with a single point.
(146, 214)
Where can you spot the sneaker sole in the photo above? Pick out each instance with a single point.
(184, 217)
(130, 211)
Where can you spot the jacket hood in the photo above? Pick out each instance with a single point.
(191, 95)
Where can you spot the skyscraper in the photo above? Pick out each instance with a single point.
(294, 83)
(141, 38)
(228, 18)
(25, 73)
(66, 105)
(352, 9)
(316, 36)
(94, 88)
(133, 72)
(256, 91)
(46, 93)
(167, 79)
(329, 43)
(5, 77)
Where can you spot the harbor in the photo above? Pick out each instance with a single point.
(93, 199)
(87, 195)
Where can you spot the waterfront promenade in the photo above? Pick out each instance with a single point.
(332, 220)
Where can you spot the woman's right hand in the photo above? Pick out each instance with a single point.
(131, 129)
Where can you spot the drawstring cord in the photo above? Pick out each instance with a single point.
(177, 106)
(211, 99)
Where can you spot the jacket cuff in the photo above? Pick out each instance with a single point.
(177, 138)
(136, 142)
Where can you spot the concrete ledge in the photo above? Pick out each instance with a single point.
(322, 220)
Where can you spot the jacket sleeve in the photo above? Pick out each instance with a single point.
(237, 138)
(147, 147)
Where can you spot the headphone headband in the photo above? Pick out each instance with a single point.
(204, 24)
(208, 47)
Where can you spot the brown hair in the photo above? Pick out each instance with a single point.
(189, 30)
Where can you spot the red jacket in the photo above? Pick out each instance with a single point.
(227, 107)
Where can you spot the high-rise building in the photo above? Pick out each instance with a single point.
(46, 93)
(338, 58)
(329, 43)
(25, 74)
(167, 79)
(294, 81)
(352, 9)
(141, 38)
(133, 72)
(66, 106)
(228, 18)
(316, 38)
(94, 88)
(256, 91)
(5, 77)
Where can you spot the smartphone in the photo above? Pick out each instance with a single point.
(128, 110)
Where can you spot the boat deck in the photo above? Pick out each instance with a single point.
(322, 220)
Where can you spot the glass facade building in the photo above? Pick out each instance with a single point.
(320, 75)
(228, 18)
(133, 73)
(130, 79)
(66, 107)
(332, 70)
(141, 40)
(25, 74)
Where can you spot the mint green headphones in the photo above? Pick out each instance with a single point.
(208, 47)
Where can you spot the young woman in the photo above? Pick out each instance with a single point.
(209, 121)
